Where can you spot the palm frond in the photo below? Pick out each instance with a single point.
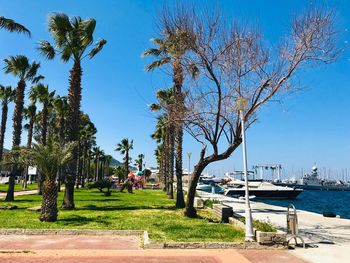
(12, 26)
(59, 26)
(87, 29)
(98, 47)
(158, 63)
(46, 49)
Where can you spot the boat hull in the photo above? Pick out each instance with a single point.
(316, 187)
(266, 194)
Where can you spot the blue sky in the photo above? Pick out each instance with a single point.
(310, 126)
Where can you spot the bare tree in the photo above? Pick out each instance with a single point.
(231, 61)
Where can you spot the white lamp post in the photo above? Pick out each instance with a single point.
(189, 168)
(241, 104)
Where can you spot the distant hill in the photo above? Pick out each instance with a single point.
(115, 162)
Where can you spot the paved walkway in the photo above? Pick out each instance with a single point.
(57, 249)
(18, 193)
(328, 238)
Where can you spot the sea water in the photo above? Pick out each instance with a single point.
(337, 202)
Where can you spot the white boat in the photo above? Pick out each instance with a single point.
(259, 188)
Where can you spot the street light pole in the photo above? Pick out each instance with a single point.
(189, 169)
(249, 235)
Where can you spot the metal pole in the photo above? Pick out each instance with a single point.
(249, 235)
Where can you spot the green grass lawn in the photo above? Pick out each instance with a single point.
(18, 187)
(143, 210)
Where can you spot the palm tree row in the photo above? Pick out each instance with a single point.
(169, 50)
(59, 121)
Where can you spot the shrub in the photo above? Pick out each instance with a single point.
(100, 185)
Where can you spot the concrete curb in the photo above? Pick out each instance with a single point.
(18, 231)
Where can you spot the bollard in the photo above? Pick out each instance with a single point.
(292, 225)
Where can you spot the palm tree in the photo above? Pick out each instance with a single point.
(41, 93)
(61, 107)
(166, 103)
(20, 67)
(7, 95)
(47, 158)
(108, 159)
(96, 153)
(139, 161)
(30, 114)
(159, 137)
(12, 26)
(72, 36)
(124, 147)
(170, 50)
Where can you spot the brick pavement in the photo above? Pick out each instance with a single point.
(98, 249)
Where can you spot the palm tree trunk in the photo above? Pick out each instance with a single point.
(41, 177)
(3, 128)
(179, 102)
(126, 164)
(171, 161)
(74, 98)
(30, 132)
(89, 168)
(84, 165)
(180, 202)
(62, 140)
(16, 135)
(49, 202)
(44, 128)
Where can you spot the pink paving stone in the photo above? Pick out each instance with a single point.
(270, 256)
(39, 242)
(124, 259)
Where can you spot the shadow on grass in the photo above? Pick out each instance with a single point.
(121, 208)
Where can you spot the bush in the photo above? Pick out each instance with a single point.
(209, 203)
(100, 185)
(260, 225)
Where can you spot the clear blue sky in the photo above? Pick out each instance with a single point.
(310, 126)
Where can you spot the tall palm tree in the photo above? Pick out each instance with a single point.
(124, 147)
(72, 36)
(96, 153)
(7, 95)
(30, 114)
(61, 107)
(13, 26)
(41, 93)
(166, 103)
(170, 50)
(20, 67)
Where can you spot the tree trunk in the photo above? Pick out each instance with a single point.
(10, 196)
(89, 168)
(74, 99)
(171, 161)
(18, 114)
(190, 211)
(126, 164)
(44, 128)
(3, 128)
(166, 161)
(49, 202)
(16, 135)
(180, 202)
(60, 175)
